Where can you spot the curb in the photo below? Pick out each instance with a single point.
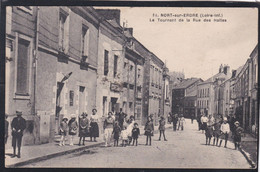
(45, 157)
(247, 156)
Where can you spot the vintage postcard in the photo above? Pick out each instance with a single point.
(131, 87)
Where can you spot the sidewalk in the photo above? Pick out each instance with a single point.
(249, 149)
(36, 153)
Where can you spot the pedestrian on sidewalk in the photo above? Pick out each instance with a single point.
(18, 125)
(162, 128)
(135, 134)
(237, 135)
(108, 128)
(209, 129)
(216, 131)
(225, 129)
(204, 121)
(83, 128)
(73, 128)
(149, 128)
(124, 136)
(116, 132)
(94, 130)
(174, 121)
(6, 128)
(63, 131)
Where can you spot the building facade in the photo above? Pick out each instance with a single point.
(51, 63)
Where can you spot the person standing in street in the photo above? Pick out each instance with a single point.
(135, 134)
(216, 131)
(192, 118)
(149, 128)
(121, 117)
(18, 125)
(237, 135)
(232, 125)
(94, 130)
(83, 128)
(175, 121)
(209, 129)
(225, 129)
(108, 128)
(124, 137)
(116, 132)
(73, 127)
(129, 128)
(204, 121)
(63, 131)
(181, 122)
(6, 128)
(169, 118)
(162, 128)
(199, 121)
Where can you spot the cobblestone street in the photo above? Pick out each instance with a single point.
(184, 149)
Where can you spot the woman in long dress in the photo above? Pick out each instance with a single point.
(94, 130)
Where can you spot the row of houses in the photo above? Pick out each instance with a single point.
(69, 60)
(226, 93)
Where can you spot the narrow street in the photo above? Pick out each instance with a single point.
(184, 149)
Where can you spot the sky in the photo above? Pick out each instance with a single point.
(197, 48)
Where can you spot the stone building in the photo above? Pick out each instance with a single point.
(184, 97)
(52, 66)
(166, 92)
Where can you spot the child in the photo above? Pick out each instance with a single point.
(182, 120)
(149, 130)
(135, 134)
(124, 137)
(224, 128)
(237, 135)
(216, 132)
(63, 131)
(116, 132)
(209, 129)
(73, 127)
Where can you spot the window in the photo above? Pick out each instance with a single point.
(131, 86)
(71, 97)
(63, 31)
(139, 73)
(115, 65)
(23, 66)
(131, 67)
(84, 41)
(106, 62)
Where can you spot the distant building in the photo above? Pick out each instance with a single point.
(208, 99)
(184, 97)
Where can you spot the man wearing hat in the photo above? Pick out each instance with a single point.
(237, 135)
(18, 125)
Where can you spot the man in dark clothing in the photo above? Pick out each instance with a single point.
(232, 124)
(121, 117)
(18, 125)
(192, 118)
(174, 121)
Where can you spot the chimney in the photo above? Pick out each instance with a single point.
(129, 30)
(110, 14)
(226, 69)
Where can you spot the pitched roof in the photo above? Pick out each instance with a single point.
(186, 83)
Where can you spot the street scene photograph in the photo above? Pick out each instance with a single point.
(131, 87)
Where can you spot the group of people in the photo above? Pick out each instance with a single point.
(178, 121)
(220, 128)
(87, 127)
